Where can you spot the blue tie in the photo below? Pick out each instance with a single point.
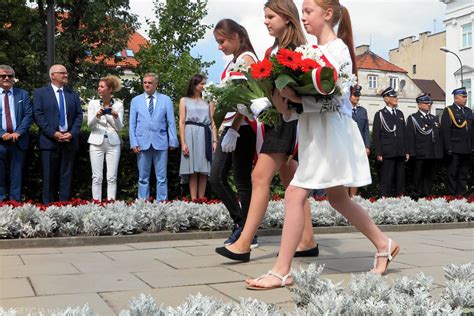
(150, 106)
(62, 110)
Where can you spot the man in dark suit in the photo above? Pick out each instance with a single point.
(58, 114)
(456, 125)
(359, 115)
(16, 115)
(424, 145)
(389, 145)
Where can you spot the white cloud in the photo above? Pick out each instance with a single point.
(378, 23)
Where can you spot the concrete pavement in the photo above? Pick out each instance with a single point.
(106, 277)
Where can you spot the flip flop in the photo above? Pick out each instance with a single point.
(282, 278)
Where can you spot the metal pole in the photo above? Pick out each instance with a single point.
(50, 30)
(444, 49)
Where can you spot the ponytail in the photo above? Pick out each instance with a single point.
(344, 32)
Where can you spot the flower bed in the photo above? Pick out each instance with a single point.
(366, 294)
(27, 220)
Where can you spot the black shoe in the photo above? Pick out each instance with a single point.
(243, 257)
(313, 252)
(234, 236)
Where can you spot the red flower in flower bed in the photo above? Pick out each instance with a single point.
(289, 58)
(262, 69)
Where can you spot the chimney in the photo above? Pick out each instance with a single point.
(362, 49)
(424, 35)
(406, 41)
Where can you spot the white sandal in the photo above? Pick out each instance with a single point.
(390, 254)
(277, 275)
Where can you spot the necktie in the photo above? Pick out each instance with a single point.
(394, 112)
(8, 117)
(354, 112)
(150, 106)
(62, 109)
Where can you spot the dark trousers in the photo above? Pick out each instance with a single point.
(57, 173)
(458, 171)
(392, 176)
(423, 177)
(241, 163)
(11, 156)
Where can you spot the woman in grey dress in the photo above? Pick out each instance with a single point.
(198, 136)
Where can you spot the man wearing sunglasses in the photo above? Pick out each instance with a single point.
(16, 115)
(58, 114)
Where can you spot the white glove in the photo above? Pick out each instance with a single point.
(258, 105)
(229, 142)
(242, 109)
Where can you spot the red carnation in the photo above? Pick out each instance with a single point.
(262, 69)
(289, 58)
(308, 65)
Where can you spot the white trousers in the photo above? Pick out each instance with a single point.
(112, 158)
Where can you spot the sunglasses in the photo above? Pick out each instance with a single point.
(7, 76)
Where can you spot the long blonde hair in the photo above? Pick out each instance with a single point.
(293, 36)
(341, 15)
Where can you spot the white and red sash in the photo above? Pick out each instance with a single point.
(316, 74)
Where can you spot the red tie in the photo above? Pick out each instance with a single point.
(8, 117)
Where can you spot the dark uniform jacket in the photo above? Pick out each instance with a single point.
(389, 144)
(420, 142)
(455, 139)
(362, 121)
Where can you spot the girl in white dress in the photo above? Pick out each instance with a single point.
(332, 155)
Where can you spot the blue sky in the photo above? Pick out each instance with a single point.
(376, 22)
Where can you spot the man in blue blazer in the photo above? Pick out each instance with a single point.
(359, 115)
(152, 132)
(16, 115)
(58, 114)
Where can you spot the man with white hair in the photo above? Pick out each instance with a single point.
(58, 114)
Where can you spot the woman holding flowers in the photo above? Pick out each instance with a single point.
(236, 146)
(331, 151)
(278, 149)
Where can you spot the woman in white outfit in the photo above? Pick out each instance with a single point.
(105, 119)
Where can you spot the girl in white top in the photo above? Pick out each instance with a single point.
(331, 151)
(105, 119)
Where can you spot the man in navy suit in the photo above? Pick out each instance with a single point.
(152, 132)
(58, 114)
(16, 115)
(359, 115)
(456, 131)
(389, 145)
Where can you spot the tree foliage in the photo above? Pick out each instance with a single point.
(86, 32)
(177, 31)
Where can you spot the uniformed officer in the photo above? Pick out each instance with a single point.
(389, 145)
(359, 115)
(424, 145)
(456, 124)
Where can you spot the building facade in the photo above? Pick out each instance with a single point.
(459, 23)
(422, 57)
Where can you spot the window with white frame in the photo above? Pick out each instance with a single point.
(373, 81)
(466, 36)
(467, 84)
(394, 83)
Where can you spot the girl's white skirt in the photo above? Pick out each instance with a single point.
(331, 152)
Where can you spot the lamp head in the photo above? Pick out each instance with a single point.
(444, 49)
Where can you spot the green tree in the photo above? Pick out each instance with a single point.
(87, 31)
(178, 30)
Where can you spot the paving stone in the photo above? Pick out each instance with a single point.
(130, 265)
(171, 296)
(287, 308)
(53, 268)
(253, 270)
(199, 250)
(144, 254)
(436, 272)
(359, 265)
(86, 283)
(165, 244)
(91, 257)
(6, 261)
(49, 305)
(94, 248)
(29, 251)
(10, 288)
(237, 290)
(190, 277)
(429, 259)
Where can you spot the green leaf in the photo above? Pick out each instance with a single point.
(283, 80)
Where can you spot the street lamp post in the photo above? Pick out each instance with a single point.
(444, 49)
